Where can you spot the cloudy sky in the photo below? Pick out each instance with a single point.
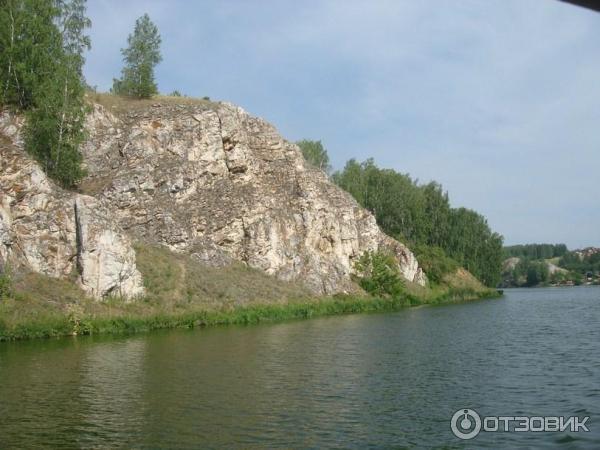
(499, 100)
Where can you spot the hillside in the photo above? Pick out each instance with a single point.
(533, 265)
(180, 197)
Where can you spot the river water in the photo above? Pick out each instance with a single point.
(371, 380)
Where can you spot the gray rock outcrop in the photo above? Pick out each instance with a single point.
(204, 179)
(221, 185)
(57, 233)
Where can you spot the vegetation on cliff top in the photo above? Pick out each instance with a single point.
(140, 57)
(315, 154)
(42, 43)
(535, 251)
(41, 59)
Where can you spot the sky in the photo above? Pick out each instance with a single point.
(497, 100)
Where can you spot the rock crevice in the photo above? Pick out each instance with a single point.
(58, 233)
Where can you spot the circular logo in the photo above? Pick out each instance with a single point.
(465, 424)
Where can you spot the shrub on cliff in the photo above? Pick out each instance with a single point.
(435, 262)
(315, 154)
(378, 274)
(5, 283)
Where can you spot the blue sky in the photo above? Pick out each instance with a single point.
(498, 100)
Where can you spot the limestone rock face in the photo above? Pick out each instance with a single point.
(212, 181)
(60, 234)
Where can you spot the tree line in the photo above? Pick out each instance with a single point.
(420, 215)
(42, 47)
(533, 268)
(535, 251)
(581, 264)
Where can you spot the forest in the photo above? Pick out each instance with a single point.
(535, 251)
(420, 215)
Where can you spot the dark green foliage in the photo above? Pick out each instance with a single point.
(42, 45)
(140, 58)
(30, 43)
(379, 274)
(535, 251)
(315, 154)
(580, 263)
(421, 215)
(435, 262)
(536, 272)
(175, 93)
(54, 131)
(530, 273)
(5, 283)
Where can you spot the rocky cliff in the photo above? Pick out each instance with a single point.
(205, 179)
(57, 233)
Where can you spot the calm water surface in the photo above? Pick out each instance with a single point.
(378, 381)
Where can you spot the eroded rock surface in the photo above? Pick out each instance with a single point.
(217, 183)
(205, 179)
(57, 233)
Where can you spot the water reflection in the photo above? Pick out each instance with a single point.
(111, 392)
(354, 381)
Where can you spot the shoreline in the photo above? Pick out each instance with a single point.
(60, 326)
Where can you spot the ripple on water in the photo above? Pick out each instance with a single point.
(380, 381)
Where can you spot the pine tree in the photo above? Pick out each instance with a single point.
(140, 58)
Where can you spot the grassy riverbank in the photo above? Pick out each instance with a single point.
(40, 325)
(184, 294)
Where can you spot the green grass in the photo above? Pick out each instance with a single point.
(182, 293)
(54, 325)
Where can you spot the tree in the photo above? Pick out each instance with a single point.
(315, 154)
(42, 59)
(72, 23)
(140, 58)
(535, 251)
(29, 47)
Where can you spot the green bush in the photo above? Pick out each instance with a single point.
(379, 274)
(5, 284)
(315, 154)
(435, 262)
